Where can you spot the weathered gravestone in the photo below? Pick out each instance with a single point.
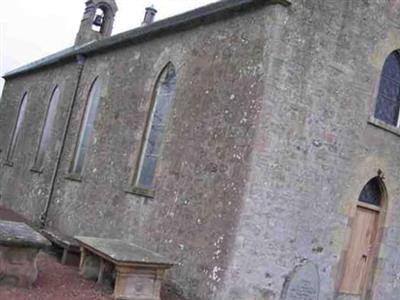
(138, 272)
(19, 246)
(302, 284)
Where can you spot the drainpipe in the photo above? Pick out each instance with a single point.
(43, 216)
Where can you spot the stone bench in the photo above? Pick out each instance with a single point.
(137, 273)
(68, 245)
(19, 246)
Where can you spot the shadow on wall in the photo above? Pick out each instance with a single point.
(170, 292)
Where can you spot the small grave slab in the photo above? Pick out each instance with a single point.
(302, 284)
(137, 272)
(19, 246)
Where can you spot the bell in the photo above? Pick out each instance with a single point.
(98, 20)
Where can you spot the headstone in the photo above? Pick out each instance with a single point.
(303, 284)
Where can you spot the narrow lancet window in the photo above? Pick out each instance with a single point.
(388, 99)
(17, 128)
(47, 131)
(162, 103)
(86, 127)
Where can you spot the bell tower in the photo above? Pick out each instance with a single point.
(97, 21)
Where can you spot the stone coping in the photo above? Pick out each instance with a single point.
(17, 234)
(122, 252)
(207, 14)
(60, 239)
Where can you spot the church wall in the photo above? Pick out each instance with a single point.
(205, 156)
(267, 149)
(316, 150)
(22, 189)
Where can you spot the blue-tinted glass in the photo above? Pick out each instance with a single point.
(147, 173)
(164, 96)
(389, 88)
(371, 192)
(388, 99)
(154, 140)
(391, 66)
(87, 127)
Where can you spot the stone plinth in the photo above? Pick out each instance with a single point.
(138, 272)
(19, 246)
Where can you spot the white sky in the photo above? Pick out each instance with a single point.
(32, 29)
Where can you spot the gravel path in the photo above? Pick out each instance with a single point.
(56, 282)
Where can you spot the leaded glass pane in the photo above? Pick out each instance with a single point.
(164, 96)
(388, 99)
(147, 172)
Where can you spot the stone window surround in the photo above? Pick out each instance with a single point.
(383, 125)
(71, 174)
(8, 162)
(148, 193)
(163, 91)
(35, 167)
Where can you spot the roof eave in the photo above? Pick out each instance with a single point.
(206, 14)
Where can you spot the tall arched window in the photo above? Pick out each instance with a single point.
(86, 127)
(388, 99)
(364, 243)
(17, 128)
(47, 131)
(162, 103)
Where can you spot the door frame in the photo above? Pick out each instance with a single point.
(367, 293)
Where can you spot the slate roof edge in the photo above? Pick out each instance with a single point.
(205, 14)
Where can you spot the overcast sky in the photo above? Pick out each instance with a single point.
(32, 29)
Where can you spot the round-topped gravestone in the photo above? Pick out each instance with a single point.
(302, 284)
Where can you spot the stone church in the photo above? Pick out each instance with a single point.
(254, 142)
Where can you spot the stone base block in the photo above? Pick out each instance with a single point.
(90, 267)
(135, 283)
(18, 266)
(348, 297)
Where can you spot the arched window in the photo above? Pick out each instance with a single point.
(17, 127)
(364, 239)
(86, 127)
(388, 99)
(47, 131)
(371, 192)
(162, 103)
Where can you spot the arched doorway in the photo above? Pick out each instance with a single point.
(363, 247)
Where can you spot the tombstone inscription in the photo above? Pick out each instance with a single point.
(303, 284)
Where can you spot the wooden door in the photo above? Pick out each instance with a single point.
(361, 251)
